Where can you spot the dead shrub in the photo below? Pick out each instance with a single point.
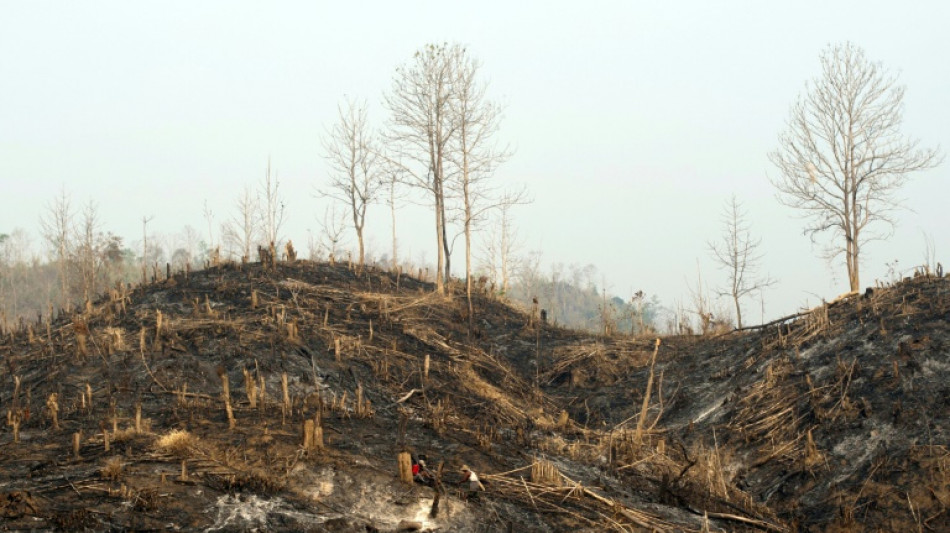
(112, 469)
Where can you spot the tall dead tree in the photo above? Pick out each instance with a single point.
(505, 242)
(474, 152)
(355, 179)
(421, 129)
(738, 253)
(56, 225)
(843, 157)
(391, 180)
(271, 211)
(240, 232)
(87, 250)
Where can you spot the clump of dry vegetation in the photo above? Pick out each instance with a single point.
(176, 442)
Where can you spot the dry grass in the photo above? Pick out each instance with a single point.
(129, 433)
(177, 442)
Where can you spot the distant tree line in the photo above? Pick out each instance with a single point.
(571, 298)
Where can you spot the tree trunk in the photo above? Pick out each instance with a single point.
(393, 213)
(359, 237)
(445, 245)
(439, 286)
(735, 298)
(468, 260)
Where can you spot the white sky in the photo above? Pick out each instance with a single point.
(632, 121)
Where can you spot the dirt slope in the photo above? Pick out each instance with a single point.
(804, 425)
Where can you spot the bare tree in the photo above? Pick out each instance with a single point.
(842, 157)
(475, 152)
(738, 253)
(87, 250)
(57, 225)
(421, 129)
(391, 179)
(500, 248)
(240, 232)
(271, 211)
(185, 247)
(353, 158)
(331, 228)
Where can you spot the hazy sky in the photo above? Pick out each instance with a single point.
(632, 121)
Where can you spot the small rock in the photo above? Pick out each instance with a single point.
(409, 525)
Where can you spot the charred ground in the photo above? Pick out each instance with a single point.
(835, 419)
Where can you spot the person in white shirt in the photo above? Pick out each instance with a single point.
(470, 483)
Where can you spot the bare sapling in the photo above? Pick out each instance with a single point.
(641, 421)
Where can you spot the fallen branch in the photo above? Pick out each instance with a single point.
(407, 396)
(768, 526)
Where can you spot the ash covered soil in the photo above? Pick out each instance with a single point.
(241, 398)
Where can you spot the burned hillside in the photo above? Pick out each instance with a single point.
(836, 419)
(241, 398)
